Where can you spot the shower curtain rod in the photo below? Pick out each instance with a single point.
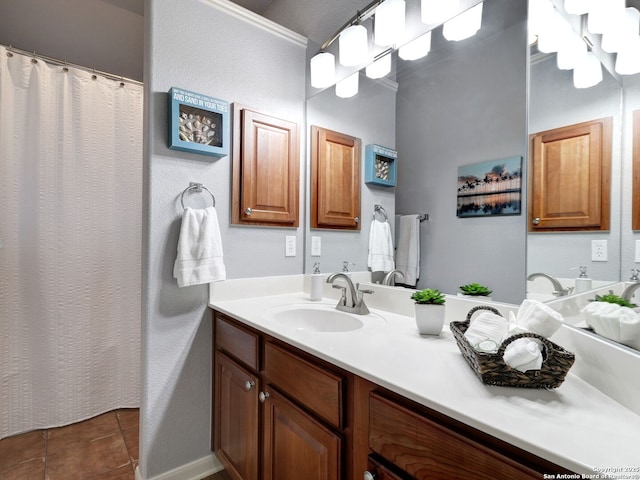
(64, 63)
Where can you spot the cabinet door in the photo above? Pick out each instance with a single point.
(266, 163)
(570, 177)
(335, 180)
(236, 418)
(295, 445)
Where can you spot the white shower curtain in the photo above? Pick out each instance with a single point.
(70, 241)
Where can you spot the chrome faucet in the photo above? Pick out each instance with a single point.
(390, 277)
(353, 302)
(628, 292)
(559, 291)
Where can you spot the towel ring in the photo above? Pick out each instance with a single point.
(381, 210)
(197, 187)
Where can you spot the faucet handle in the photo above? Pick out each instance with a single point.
(368, 290)
(343, 294)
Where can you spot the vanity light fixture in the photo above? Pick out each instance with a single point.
(602, 15)
(323, 70)
(588, 72)
(464, 25)
(380, 67)
(353, 46)
(417, 48)
(348, 87)
(389, 22)
(571, 53)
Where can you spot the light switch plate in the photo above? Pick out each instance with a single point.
(289, 246)
(316, 246)
(599, 251)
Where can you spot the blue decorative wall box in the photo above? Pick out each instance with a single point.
(198, 123)
(380, 165)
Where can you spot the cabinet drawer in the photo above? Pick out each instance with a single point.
(237, 342)
(317, 389)
(428, 450)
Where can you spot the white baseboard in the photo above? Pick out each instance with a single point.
(195, 470)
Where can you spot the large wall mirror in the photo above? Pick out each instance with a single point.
(477, 102)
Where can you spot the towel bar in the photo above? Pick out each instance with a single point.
(197, 187)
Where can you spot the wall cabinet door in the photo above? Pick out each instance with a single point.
(266, 164)
(295, 445)
(570, 172)
(236, 418)
(335, 180)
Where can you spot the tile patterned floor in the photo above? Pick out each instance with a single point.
(101, 448)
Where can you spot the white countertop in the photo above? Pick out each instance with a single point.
(575, 426)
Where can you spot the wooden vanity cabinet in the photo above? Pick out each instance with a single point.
(283, 414)
(278, 414)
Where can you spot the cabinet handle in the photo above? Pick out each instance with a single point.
(536, 220)
(369, 476)
(262, 396)
(249, 384)
(247, 211)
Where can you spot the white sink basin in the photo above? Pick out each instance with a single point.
(320, 318)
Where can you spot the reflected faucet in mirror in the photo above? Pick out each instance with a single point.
(559, 290)
(390, 277)
(628, 292)
(353, 302)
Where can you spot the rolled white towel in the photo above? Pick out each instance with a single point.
(539, 318)
(613, 321)
(487, 327)
(523, 354)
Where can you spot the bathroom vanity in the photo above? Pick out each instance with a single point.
(377, 397)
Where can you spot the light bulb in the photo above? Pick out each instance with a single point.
(389, 22)
(348, 87)
(323, 70)
(588, 72)
(464, 25)
(434, 12)
(353, 46)
(628, 59)
(416, 48)
(380, 67)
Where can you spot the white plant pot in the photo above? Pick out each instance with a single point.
(480, 298)
(429, 318)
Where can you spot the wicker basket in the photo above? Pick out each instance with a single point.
(492, 370)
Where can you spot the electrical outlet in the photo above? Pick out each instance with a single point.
(598, 250)
(316, 246)
(637, 251)
(290, 246)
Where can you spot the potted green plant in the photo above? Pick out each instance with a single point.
(430, 311)
(612, 298)
(475, 290)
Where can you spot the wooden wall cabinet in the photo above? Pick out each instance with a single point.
(265, 171)
(570, 178)
(335, 180)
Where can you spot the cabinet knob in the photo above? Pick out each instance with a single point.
(262, 396)
(247, 211)
(369, 476)
(249, 384)
(536, 220)
(357, 219)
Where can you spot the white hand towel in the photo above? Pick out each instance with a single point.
(199, 257)
(523, 354)
(380, 257)
(487, 326)
(539, 318)
(613, 321)
(408, 252)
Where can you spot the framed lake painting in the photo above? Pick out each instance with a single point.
(490, 188)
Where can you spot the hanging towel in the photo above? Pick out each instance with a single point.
(199, 257)
(380, 257)
(408, 252)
